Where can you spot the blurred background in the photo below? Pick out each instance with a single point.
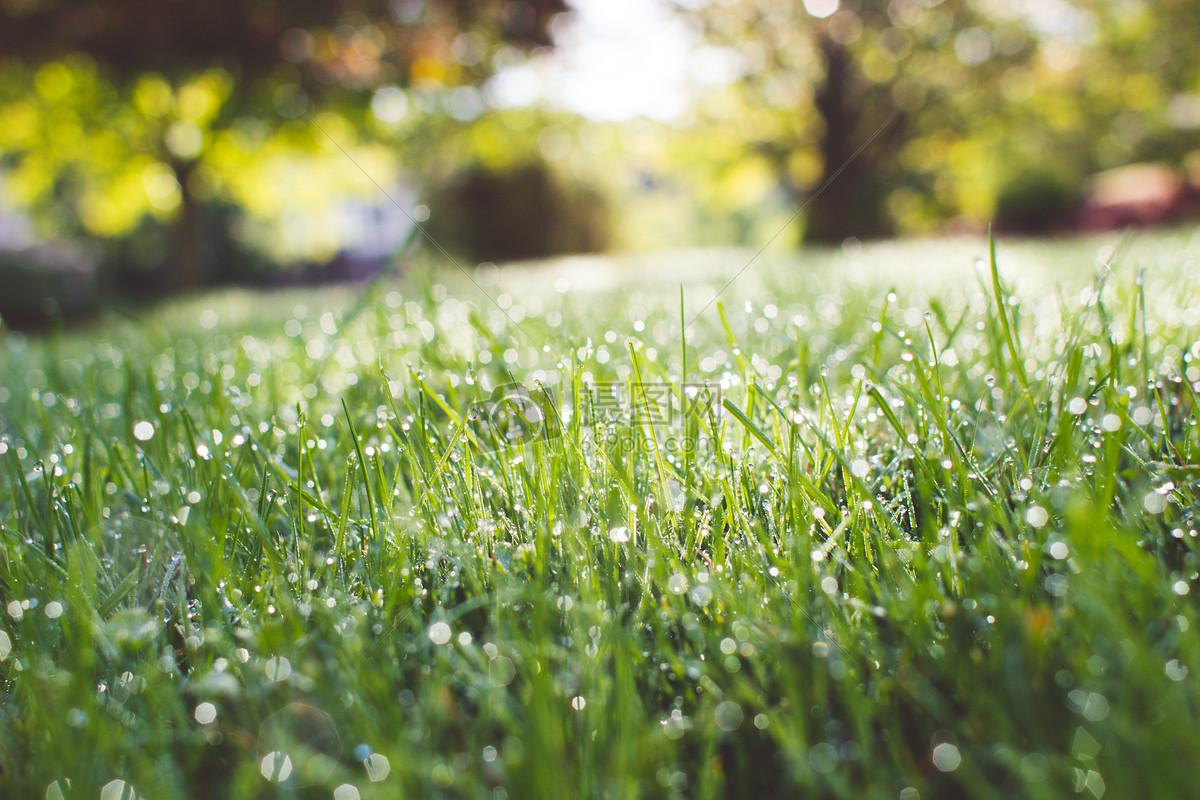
(152, 147)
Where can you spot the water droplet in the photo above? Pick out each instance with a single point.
(278, 669)
(619, 535)
(276, 766)
(439, 633)
(118, 790)
(205, 713)
(377, 767)
(728, 715)
(946, 757)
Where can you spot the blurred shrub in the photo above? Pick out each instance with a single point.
(1036, 201)
(47, 284)
(521, 212)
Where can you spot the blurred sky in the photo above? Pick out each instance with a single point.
(617, 59)
(621, 59)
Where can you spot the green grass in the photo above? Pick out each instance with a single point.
(937, 538)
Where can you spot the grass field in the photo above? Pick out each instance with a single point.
(882, 524)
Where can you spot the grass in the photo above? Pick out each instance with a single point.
(925, 537)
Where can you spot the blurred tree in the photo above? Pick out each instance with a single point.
(111, 110)
(964, 99)
(834, 93)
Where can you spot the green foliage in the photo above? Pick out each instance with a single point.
(954, 93)
(112, 113)
(939, 538)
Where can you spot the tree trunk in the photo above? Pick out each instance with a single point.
(190, 263)
(850, 204)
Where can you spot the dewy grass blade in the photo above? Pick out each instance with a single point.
(1009, 334)
(366, 478)
(751, 428)
(664, 496)
(898, 544)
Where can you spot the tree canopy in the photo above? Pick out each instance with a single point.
(923, 107)
(112, 112)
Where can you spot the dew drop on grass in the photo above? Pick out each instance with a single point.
(823, 758)
(378, 767)
(439, 633)
(54, 609)
(278, 669)
(501, 670)
(946, 757)
(117, 790)
(143, 431)
(619, 535)
(276, 766)
(346, 791)
(5, 645)
(1037, 516)
(205, 713)
(1077, 406)
(729, 715)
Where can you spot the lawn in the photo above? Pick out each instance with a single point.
(897, 521)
